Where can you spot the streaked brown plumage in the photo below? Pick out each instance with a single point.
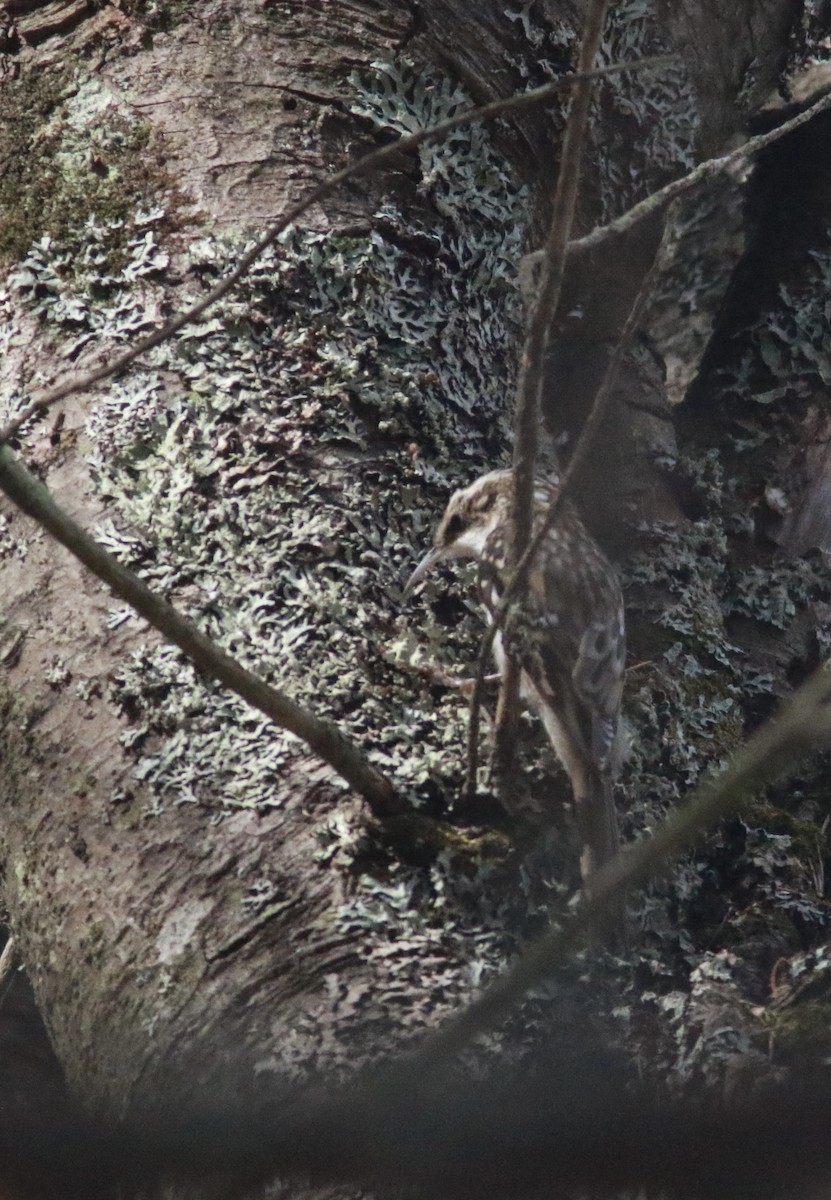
(566, 633)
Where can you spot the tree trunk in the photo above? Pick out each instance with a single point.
(194, 896)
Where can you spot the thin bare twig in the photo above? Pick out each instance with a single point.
(80, 383)
(323, 738)
(645, 208)
(576, 464)
(704, 171)
(801, 726)
(532, 372)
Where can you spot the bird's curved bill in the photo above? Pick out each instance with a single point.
(422, 570)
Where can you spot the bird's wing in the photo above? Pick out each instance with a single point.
(567, 632)
(598, 680)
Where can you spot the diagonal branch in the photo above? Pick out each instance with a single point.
(706, 170)
(801, 726)
(323, 738)
(370, 162)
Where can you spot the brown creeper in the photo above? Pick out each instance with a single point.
(566, 632)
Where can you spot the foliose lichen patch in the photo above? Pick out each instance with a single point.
(744, 616)
(277, 467)
(646, 122)
(643, 123)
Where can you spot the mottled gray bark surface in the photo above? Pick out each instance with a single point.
(192, 894)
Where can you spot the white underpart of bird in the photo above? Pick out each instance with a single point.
(565, 632)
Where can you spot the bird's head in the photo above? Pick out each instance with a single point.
(470, 518)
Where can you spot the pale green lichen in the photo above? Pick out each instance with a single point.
(277, 467)
(781, 361)
(809, 39)
(646, 123)
(717, 604)
(643, 124)
(777, 596)
(793, 340)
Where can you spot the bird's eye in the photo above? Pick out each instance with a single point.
(455, 525)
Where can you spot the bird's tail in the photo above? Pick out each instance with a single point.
(596, 824)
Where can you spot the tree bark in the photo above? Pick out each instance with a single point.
(195, 898)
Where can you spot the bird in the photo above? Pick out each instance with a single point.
(565, 631)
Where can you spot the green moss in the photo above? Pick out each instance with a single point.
(68, 154)
(754, 924)
(801, 1032)
(14, 739)
(416, 838)
(803, 832)
(25, 105)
